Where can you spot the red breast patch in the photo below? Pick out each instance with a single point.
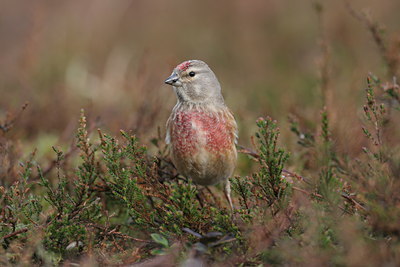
(190, 126)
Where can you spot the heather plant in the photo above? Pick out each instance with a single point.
(116, 198)
(120, 198)
(75, 205)
(381, 185)
(154, 204)
(21, 209)
(265, 189)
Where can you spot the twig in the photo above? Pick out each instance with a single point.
(306, 192)
(54, 162)
(70, 152)
(113, 232)
(256, 156)
(374, 29)
(352, 200)
(345, 196)
(9, 123)
(211, 193)
(248, 151)
(297, 176)
(23, 230)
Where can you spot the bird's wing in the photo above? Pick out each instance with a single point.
(234, 126)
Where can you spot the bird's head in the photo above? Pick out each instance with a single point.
(194, 82)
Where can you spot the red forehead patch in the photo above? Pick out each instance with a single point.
(184, 66)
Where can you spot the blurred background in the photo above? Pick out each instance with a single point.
(111, 58)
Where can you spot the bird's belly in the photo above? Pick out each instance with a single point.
(205, 167)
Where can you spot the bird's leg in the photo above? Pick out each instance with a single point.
(211, 194)
(227, 192)
(199, 192)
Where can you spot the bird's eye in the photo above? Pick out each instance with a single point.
(191, 74)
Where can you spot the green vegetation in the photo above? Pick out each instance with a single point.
(121, 196)
(321, 189)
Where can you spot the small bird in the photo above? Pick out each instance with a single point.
(201, 130)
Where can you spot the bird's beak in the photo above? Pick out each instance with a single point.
(172, 79)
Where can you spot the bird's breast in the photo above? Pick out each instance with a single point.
(192, 131)
(203, 145)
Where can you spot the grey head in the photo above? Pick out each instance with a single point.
(195, 83)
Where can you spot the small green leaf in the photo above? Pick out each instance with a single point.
(159, 239)
(158, 252)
